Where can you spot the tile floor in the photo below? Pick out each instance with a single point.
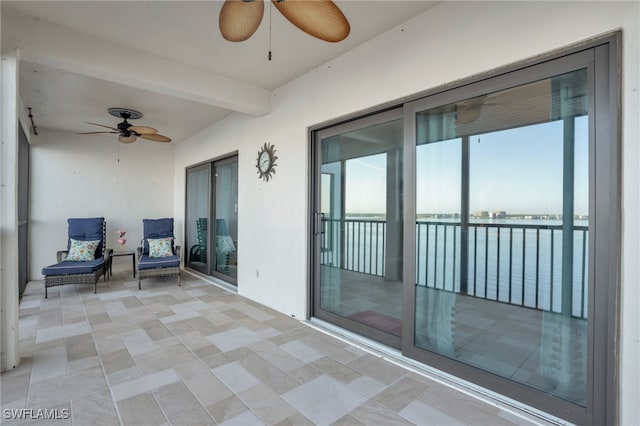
(200, 355)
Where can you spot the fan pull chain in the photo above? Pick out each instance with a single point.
(118, 142)
(270, 9)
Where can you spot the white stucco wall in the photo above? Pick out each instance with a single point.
(9, 131)
(80, 176)
(452, 41)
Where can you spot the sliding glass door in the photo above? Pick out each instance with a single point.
(359, 219)
(225, 212)
(476, 229)
(197, 217)
(502, 233)
(212, 219)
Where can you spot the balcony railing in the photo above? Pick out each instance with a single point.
(518, 264)
(354, 245)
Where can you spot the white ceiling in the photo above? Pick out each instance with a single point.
(185, 33)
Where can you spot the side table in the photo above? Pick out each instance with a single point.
(117, 253)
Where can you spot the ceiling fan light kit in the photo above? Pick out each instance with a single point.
(126, 132)
(322, 19)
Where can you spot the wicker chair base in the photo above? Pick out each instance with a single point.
(157, 273)
(58, 280)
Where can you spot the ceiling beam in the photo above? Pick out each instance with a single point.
(59, 47)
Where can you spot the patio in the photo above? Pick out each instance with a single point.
(198, 354)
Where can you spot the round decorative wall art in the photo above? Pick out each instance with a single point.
(266, 162)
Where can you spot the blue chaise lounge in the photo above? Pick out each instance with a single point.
(83, 262)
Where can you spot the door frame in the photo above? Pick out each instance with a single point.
(212, 217)
(196, 168)
(316, 146)
(209, 165)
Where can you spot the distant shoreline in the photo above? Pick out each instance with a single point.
(455, 216)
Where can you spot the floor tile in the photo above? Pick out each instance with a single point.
(268, 374)
(144, 384)
(230, 408)
(234, 338)
(276, 356)
(245, 419)
(235, 377)
(401, 393)
(301, 351)
(336, 370)
(266, 404)
(163, 359)
(366, 386)
(196, 354)
(372, 413)
(66, 387)
(180, 406)
(202, 383)
(323, 400)
(141, 409)
(14, 388)
(49, 363)
(96, 409)
(422, 414)
(81, 346)
(377, 368)
(62, 331)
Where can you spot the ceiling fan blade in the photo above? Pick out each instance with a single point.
(239, 19)
(127, 139)
(156, 137)
(95, 133)
(319, 18)
(102, 125)
(143, 130)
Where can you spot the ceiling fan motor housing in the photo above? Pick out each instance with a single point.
(124, 126)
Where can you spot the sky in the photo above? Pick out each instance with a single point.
(517, 170)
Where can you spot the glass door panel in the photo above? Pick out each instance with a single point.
(502, 230)
(360, 221)
(226, 219)
(197, 214)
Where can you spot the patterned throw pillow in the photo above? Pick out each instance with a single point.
(224, 244)
(160, 247)
(82, 251)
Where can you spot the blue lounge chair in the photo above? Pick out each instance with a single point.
(157, 255)
(83, 262)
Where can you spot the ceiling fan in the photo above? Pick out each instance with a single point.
(127, 133)
(468, 110)
(322, 19)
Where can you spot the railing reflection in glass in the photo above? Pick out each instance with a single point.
(515, 263)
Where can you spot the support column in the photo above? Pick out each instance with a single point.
(567, 215)
(9, 113)
(464, 219)
(393, 253)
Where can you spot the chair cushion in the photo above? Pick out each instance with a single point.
(160, 247)
(156, 228)
(86, 229)
(146, 262)
(70, 267)
(82, 251)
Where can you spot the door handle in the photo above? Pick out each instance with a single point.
(318, 223)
